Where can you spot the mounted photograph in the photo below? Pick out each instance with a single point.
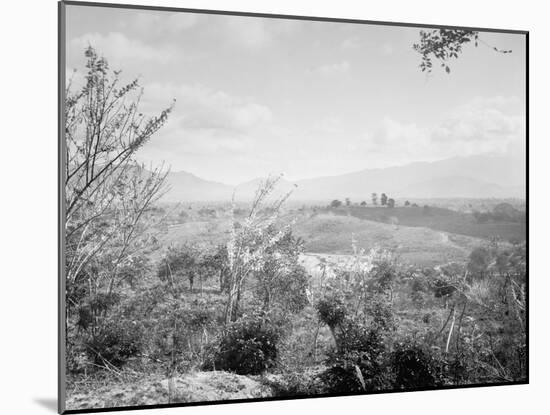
(260, 207)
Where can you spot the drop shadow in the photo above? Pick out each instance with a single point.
(48, 403)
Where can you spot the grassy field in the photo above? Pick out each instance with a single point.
(332, 233)
(436, 218)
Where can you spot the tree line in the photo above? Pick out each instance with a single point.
(384, 200)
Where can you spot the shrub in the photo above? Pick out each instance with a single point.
(331, 309)
(247, 346)
(442, 287)
(179, 263)
(88, 312)
(479, 262)
(418, 287)
(178, 330)
(358, 362)
(341, 379)
(117, 341)
(292, 384)
(381, 314)
(281, 281)
(415, 367)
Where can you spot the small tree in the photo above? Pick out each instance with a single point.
(218, 262)
(363, 203)
(383, 276)
(249, 243)
(407, 203)
(391, 203)
(107, 193)
(348, 201)
(335, 203)
(479, 261)
(282, 280)
(180, 262)
(383, 199)
(374, 198)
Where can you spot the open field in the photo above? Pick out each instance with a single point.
(441, 219)
(418, 242)
(332, 234)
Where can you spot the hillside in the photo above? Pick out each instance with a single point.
(455, 187)
(332, 234)
(185, 186)
(466, 177)
(475, 176)
(439, 219)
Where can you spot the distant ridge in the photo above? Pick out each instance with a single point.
(186, 187)
(480, 176)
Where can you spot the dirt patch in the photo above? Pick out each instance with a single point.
(193, 387)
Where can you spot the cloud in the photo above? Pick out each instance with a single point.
(205, 123)
(387, 49)
(351, 43)
(246, 31)
(179, 22)
(201, 108)
(334, 69)
(254, 32)
(162, 23)
(119, 49)
(484, 125)
(485, 122)
(331, 125)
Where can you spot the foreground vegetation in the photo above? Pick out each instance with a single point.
(354, 323)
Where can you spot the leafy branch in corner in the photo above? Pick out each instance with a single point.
(444, 45)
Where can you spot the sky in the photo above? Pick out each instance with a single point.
(257, 96)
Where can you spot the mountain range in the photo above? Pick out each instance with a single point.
(481, 176)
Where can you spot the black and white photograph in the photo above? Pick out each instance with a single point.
(263, 207)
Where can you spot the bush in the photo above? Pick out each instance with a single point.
(247, 347)
(117, 341)
(442, 287)
(382, 315)
(331, 310)
(418, 287)
(358, 366)
(415, 367)
(358, 363)
(97, 305)
(293, 384)
(178, 330)
(479, 261)
(340, 380)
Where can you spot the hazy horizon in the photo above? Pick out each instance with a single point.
(258, 96)
(292, 179)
